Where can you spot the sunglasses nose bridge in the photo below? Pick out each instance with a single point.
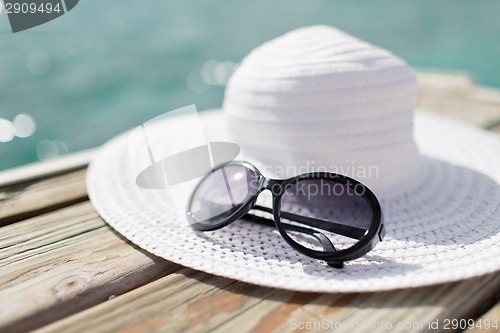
(265, 183)
(275, 186)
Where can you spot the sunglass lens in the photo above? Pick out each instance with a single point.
(222, 193)
(325, 215)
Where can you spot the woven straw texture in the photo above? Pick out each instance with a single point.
(445, 228)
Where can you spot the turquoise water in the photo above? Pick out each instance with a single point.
(107, 66)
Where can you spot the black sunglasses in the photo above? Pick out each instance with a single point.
(312, 211)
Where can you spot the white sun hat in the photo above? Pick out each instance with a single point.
(318, 98)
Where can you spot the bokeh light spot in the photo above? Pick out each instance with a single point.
(24, 125)
(38, 62)
(218, 73)
(49, 149)
(195, 82)
(7, 130)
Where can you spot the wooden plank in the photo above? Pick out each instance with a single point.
(456, 96)
(488, 322)
(198, 302)
(495, 129)
(411, 309)
(178, 302)
(46, 229)
(25, 200)
(57, 264)
(45, 169)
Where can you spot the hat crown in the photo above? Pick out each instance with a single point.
(318, 99)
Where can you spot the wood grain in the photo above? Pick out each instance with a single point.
(177, 302)
(63, 262)
(191, 301)
(490, 318)
(35, 197)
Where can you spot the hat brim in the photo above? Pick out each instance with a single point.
(445, 229)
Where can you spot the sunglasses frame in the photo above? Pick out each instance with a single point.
(277, 187)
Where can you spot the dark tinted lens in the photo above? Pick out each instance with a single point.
(325, 215)
(222, 193)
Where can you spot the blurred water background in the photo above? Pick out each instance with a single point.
(107, 66)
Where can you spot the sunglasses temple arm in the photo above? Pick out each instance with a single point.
(325, 242)
(341, 229)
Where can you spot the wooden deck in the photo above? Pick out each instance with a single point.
(64, 270)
